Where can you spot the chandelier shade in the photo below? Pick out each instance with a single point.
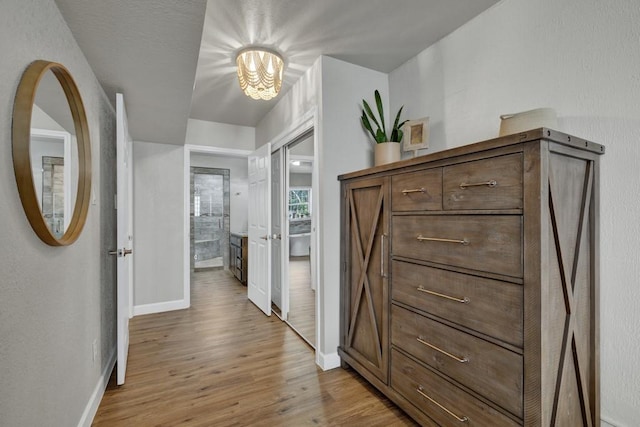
(259, 73)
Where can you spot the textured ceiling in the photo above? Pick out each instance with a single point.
(154, 50)
(377, 34)
(146, 49)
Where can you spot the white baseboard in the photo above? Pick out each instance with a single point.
(160, 307)
(327, 361)
(96, 397)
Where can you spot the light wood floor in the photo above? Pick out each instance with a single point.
(302, 299)
(223, 363)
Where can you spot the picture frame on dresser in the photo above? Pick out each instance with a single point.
(415, 134)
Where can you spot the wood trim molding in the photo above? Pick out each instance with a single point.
(21, 144)
(160, 307)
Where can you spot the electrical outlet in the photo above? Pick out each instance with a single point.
(95, 350)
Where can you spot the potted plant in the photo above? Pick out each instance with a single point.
(387, 148)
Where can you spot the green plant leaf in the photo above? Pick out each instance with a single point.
(380, 111)
(380, 136)
(367, 125)
(370, 113)
(400, 135)
(395, 123)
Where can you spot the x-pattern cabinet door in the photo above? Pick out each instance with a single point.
(365, 335)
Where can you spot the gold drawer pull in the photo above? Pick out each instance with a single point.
(491, 183)
(421, 238)
(422, 393)
(415, 190)
(454, 357)
(463, 300)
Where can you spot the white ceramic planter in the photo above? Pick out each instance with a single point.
(386, 152)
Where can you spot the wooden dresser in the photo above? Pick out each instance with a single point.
(469, 290)
(238, 256)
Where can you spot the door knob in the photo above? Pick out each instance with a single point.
(264, 237)
(277, 236)
(121, 252)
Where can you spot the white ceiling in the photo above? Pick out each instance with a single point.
(154, 50)
(146, 49)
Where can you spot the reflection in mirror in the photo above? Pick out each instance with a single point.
(51, 152)
(54, 164)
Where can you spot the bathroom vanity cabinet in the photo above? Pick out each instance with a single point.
(238, 256)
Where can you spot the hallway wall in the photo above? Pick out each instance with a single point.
(54, 301)
(581, 57)
(159, 233)
(158, 242)
(220, 135)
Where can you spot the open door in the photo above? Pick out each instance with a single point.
(125, 236)
(259, 280)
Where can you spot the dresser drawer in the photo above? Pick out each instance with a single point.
(442, 401)
(417, 191)
(488, 306)
(493, 183)
(479, 242)
(484, 367)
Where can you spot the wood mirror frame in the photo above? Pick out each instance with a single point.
(21, 144)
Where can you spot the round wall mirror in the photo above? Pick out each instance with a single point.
(51, 152)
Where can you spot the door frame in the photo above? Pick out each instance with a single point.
(225, 174)
(309, 121)
(200, 149)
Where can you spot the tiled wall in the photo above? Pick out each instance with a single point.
(210, 230)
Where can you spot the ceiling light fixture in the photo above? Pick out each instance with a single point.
(259, 72)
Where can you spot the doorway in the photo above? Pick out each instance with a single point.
(209, 218)
(302, 289)
(293, 227)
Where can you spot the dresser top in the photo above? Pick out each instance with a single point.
(504, 141)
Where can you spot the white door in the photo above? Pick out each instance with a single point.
(125, 235)
(259, 280)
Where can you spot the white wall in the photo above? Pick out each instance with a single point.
(581, 57)
(336, 89)
(158, 227)
(300, 180)
(303, 148)
(344, 147)
(212, 134)
(159, 278)
(54, 301)
(41, 120)
(304, 96)
(238, 185)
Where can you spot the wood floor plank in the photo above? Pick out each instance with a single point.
(302, 299)
(224, 363)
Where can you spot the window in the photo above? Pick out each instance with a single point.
(300, 202)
